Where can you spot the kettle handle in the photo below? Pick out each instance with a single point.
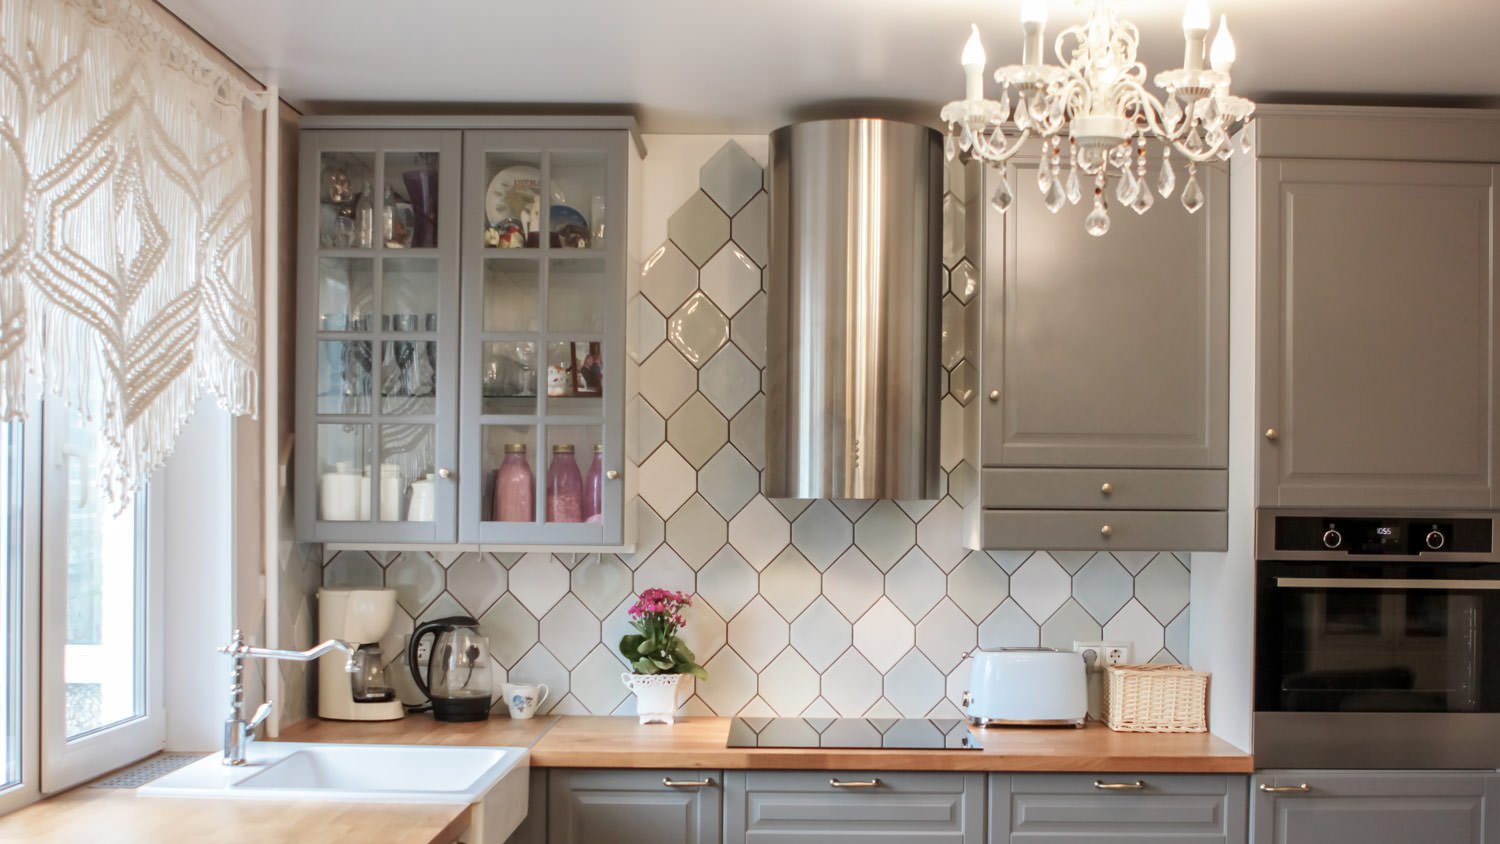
(420, 674)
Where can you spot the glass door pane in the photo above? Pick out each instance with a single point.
(408, 480)
(576, 195)
(346, 207)
(512, 200)
(410, 201)
(10, 604)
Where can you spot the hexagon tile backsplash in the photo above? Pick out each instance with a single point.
(801, 607)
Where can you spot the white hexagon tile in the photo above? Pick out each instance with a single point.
(815, 608)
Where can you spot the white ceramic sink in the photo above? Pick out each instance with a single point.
(375, 773)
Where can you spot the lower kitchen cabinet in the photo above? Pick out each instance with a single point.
(845, 807)
(626, 806)
(1102, 808)
(533, 829)
(1375, 807)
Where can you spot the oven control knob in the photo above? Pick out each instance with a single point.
(1436, 540)
(1332, 538)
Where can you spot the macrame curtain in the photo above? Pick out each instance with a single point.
(126, 276)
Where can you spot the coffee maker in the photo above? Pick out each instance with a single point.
(361, 617)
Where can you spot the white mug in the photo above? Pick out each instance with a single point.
(523, 698)
(423, 501)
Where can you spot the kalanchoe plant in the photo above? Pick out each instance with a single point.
(656, 648)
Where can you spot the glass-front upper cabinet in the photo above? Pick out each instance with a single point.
(543, 308)
(378, 284)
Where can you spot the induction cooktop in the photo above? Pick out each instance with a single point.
(888, 733)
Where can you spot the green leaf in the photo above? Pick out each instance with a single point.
(629, 645)
(648, 646)
(696, 670)
(663, 664)
(683, 652)
(644, 666)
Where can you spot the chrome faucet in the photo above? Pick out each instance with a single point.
(238, 733)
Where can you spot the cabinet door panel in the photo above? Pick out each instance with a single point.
(1106, 489)
(766, 807)
(1376, 808)
(1106, 351)
(1377, 348)
(1128, 530)
(632, 807)
(1071, 809)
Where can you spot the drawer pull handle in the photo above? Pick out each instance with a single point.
(838, 783)
(671, 783)
(1119, 786)
(1285, 789)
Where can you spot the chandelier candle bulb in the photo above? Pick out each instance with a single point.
(1033, 21)
(973, 62)
(1221, 55)
(1195, 30)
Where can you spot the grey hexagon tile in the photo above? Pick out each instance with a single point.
(758, 708)
(821, 635)
(758, 633)
(668, 277)
(959, 681)
(353, 570)
(570, 631)
(913, 685)
(650, 533)
(730, 278)
(664, 569)
(1040, 586)
(789, 684)
(596, 681)
(697, 532)
(508, 559)
(510, 628)
(940, 534)
(1102, 587)
(444, 558)
(616, 626)
(853, 584)
(883, 634)
(750, 227)
(696, 708)
(1071, 623)
(820, 708)
(955, 177)
(601, 582)
(1134, 561)
(915, 510)
(851, 685)
(853, 509)
(1136, 625)
(645, 329)
(748, 329)
(667, 379)
(978, 585)
(730, 684)
(698, 329)
(697, 430)
(706, 631)
(747, 430)
(963, 282)
(759, 532)
(1184, 557)
(728, 481)
(791, 507)
(417, 579)
(666, 481)
(790, 583)
(727, 582)
(731, 177)
(915, 584)
(945, 709)
(946, 634)
(1009, 627)
(644, 429)
(476, 580)
(963, 484)
(570, 705)
(953, 231)
(1072, 561)
(540, 666)
(539, 581)
(1177, 636)
(822, 533)
(962, 381)
(885, 533)
(950, 433)
(1010, 560)
(729, 380)
(698, 228)
(951, 347)
(1162, 587)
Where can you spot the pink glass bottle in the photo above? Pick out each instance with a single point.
(593, 487)
(564, 487)
(515, 487)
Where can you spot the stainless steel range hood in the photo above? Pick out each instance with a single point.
(853, 311)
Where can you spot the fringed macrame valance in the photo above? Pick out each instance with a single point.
(126, 219)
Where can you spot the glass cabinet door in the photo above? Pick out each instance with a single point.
(377, 338)
(543, 325)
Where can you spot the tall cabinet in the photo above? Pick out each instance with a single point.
(461, 299)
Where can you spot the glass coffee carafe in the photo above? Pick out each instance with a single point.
(456, 676)
(368, 682)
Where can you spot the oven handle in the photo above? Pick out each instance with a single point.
(1384, 583)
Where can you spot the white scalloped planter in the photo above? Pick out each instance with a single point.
(655, 696)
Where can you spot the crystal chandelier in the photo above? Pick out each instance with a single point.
(1098, 98)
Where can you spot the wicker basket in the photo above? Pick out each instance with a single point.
(1155, 699)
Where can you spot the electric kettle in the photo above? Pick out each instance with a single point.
(456, 677)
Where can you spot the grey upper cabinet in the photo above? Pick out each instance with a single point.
(1366, 807)
(1378, 364)
(461, 301)
(634, 807)
(1103, 381)
(845, 807)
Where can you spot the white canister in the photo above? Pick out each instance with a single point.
(390, 492)
(339, 496)
(423, 501)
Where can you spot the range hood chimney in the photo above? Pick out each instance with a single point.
(853, 311)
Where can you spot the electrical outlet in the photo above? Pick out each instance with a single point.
(1096, 655)
(424, 651)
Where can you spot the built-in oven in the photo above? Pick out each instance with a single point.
(1377, 642)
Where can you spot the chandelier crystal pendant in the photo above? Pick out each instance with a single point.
(1097, 98)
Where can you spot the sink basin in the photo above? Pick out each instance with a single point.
(373, 773)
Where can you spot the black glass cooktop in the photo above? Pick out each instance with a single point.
(904, 733)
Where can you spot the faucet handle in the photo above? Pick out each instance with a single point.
(262, 712)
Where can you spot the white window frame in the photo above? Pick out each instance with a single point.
(64, 762)
(28, 619)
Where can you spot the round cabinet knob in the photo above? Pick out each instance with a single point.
(445, 474)
(1272, 433)
(1435, 539)
(612, 475)
(994, 395)
(1332, 538)
(1106, 487)
(1106, 530)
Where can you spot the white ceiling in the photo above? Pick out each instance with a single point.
(752, 65)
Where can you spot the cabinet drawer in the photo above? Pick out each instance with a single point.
(782, 807)
(1073, 809)
(1084, 530)
(1375, 807)
(633, 807)
(1105, 489)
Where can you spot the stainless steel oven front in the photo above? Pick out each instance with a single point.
(1377, 642)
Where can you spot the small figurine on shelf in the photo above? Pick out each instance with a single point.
(558, 376)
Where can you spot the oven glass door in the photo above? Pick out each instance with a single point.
(1377, 637)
